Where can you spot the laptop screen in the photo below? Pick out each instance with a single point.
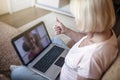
(31, 43)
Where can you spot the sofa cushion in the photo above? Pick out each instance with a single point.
(113, 72)
(8, 55)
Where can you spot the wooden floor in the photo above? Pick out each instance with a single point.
(22, 17)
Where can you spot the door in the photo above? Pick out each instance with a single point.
(17, 5)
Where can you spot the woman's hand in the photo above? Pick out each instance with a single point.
(60, 28)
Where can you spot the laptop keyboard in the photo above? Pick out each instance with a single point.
(46, 61)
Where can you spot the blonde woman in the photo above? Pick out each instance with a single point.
(96, 46)
(96, 43)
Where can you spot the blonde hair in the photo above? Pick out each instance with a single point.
(93, 15)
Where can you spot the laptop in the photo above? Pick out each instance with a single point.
(36, 51)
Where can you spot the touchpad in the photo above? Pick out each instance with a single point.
(60, 62)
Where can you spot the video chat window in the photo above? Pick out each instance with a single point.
(32, 43)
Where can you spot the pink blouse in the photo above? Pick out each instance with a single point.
(89, 61)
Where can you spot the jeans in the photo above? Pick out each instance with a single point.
(23, 73)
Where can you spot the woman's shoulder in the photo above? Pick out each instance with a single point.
(107, 38)
(106, 48)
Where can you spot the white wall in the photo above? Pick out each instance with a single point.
(17, 5)
(10, 6)
(3, 7)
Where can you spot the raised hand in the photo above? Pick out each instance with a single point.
(60, 28)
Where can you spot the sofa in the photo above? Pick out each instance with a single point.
(8, 55)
